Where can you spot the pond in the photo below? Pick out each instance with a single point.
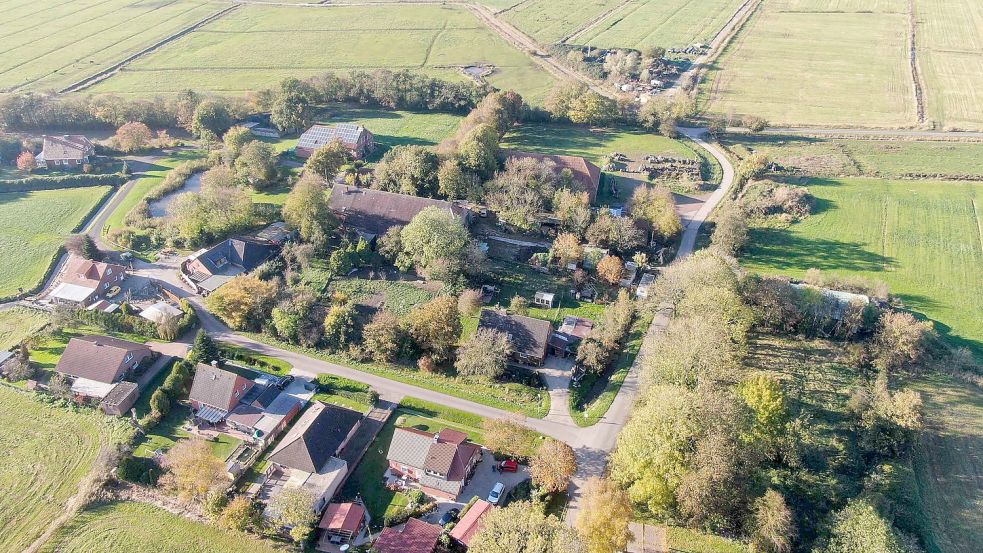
(161, 207)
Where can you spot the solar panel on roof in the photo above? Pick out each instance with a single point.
(319, 135)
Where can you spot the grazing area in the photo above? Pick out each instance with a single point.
(921, 237)
(836, 56)
(827, 157)
(47, 451)
(19, 323)
(551, 21)
(35, 225)
(256, 46)
(950, 53)
(44, 47)
(594, 144)
(127, 526)
(666, 23)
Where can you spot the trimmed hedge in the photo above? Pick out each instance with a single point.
(82, 180)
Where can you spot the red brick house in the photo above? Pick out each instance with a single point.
(86, 282)
(441, 463)
(68, 151)
(96, 364)
(586, 174)
(359, 141)
(215, 392)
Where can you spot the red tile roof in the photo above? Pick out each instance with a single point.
(99, 358)
(90, 273)
(415, 537)
(585, 172)
(470, 523)
(343, 516)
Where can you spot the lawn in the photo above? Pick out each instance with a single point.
(47, 450)
(397, 297)
(691, 541)
(45, 47)
(950, 53)
(19, 323)
(809, 67)
(666, 23)
(594, 144)
(141, 528)
(35, 225)
(344, 392)
(255, 360)
(829, 157)
(516, 279)
(394, 127)
(256, 46)
(921, 237)
(171, 429)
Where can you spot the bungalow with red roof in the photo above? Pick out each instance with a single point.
(98, 364)
(66, 151)
(441, 463)
(415, 536)
(471, 522)
(85, 282)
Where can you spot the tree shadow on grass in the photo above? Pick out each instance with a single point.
(783, 250)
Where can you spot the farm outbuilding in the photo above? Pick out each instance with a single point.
(545, 299)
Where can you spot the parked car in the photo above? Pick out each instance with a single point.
(284, 381)
(508, 466)
(449, 517)
(496, 494)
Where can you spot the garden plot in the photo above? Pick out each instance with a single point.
(665, 23)
(950, 53)
(54, 44)
(35, 225)
(256, 46)
(817, 68)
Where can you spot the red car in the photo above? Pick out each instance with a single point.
(508, 466)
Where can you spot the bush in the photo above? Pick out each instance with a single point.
(41, 182)
(138, 470)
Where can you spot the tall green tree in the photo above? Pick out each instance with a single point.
(306, 210)
(409, 170)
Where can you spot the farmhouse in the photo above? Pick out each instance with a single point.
(86, 282)
(585, 174)
(210, 268)
(215, 392)
(441, 463)
(97, 364)
(471, 522)
(356, 138)
(65, 151)
(306, 457)
(415, 536)
(529, 337)
(373, 212)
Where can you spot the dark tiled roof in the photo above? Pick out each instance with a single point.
(375, 211)
(68, 146)
(415, 537)
(236, 255)
(528, 336)
(317, 436)
(98, 358)
(213, 386)
(120, 393)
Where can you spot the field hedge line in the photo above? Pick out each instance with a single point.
(82, 180)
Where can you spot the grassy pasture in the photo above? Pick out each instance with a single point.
(552, 20)
(47, 451)
(43, 46)
(35, 225)
(665, 23)
(19, 323)
(950, 50)
(595, 144)
(921, 237)
(256, 46)
(140, 528)
(827, 157)
(395, 128)
(817, 68)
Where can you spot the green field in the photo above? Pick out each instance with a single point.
(35, 225)
(395, 128)
(594, 144)
(56, 43)
(826, 157)
(256, 46)
(47, 451)
(141, 528)
(667, 23)
(551, 21)
(818, 62)
(19, 323)
(950, 51)
(921, 237)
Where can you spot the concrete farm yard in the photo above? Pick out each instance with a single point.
(256, 46)
(35, 224)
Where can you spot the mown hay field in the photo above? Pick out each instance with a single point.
(551, 21)
(665, 23)
(53, 44)
(140, 528)
(34, 225)
(255, 46)
(830, 157)
(820, 63)
(47, 450)
(595, 144)
(950, 53)
(19, 323)
(923, 238)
